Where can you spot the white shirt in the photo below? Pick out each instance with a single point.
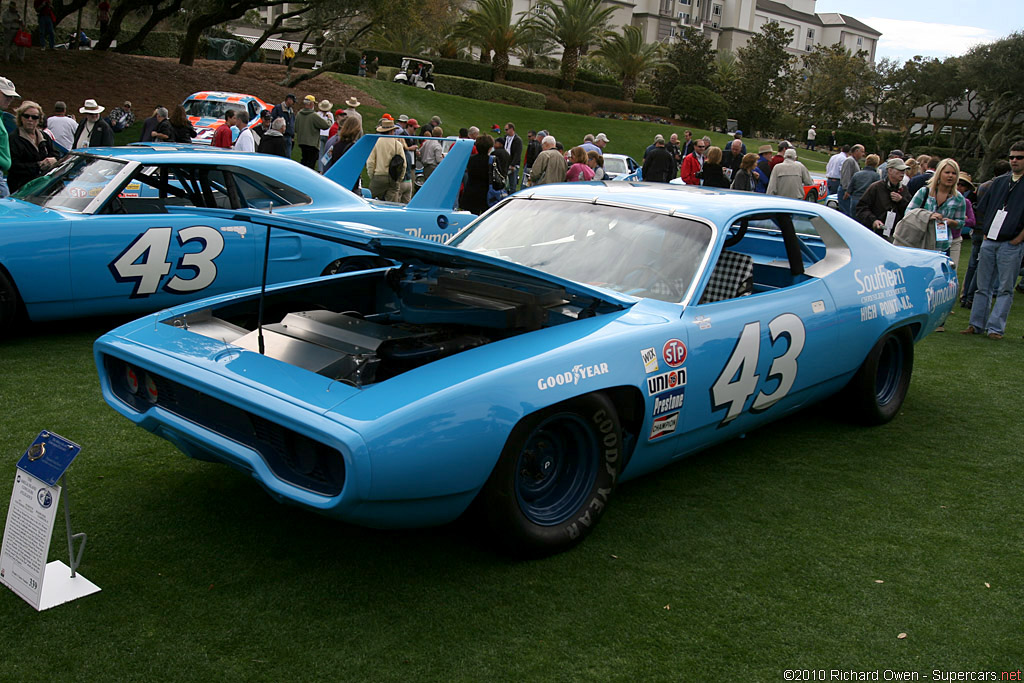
(245, 141)
(63, 129)
(835, 164)
(811, 134)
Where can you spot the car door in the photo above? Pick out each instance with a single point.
(757, 356)
(142, 250)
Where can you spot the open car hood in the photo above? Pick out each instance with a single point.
(414, 251)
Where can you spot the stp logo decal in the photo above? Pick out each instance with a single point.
(674, 353)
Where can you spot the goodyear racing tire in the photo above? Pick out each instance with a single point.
(8, 303)
(876, 392)
(554, 477)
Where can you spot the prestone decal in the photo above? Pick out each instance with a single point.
(666, 403)
(573, 376)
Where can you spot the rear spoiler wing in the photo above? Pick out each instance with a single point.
(439, 192)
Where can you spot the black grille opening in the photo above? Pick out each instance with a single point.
(291, 456)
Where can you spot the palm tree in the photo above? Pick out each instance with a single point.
(630, 56)
(490, 26)
(573, 24)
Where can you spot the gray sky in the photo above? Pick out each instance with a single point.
(932, 28)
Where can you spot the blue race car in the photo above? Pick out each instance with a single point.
(536, 361)
(118, 230)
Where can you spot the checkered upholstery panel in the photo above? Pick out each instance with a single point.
(733, 276)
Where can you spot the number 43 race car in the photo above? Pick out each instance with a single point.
(575, 336)
(122, 230)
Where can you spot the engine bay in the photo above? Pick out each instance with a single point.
(363, 328)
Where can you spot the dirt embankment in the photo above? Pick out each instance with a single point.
(111, 78)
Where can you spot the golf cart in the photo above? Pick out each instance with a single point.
(418, 72)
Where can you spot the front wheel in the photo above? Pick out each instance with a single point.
(876, 393)
(555, 476)
(812, 196)
(8, 303)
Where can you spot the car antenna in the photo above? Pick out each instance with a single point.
(263, 292)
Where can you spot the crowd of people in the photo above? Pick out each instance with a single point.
(881, 195)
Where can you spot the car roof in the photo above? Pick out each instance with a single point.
(156, 153)
(219, 96)
(718, 206)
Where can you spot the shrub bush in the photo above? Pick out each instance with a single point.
(476, 89)
(165, 44)
(551, 79)
(698, 104)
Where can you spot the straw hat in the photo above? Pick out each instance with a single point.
(385, 125)
(325, 105)
(91, 107)
(352, 102)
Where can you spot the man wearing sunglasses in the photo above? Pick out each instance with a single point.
(694, 163)
(1002, 221)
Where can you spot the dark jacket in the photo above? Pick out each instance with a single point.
(148, 126)
(876, 202)
(478, 176)
(273, 144)
(999, 196)
(744, 180)
(516, 153)
(659, 166)
(289, 119)
(919, 181)
(532, 150)
(712, 175)
(183, 133)
(102, 134)
(25, 158)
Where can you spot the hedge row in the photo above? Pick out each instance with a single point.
(485, 72)
(477, 90)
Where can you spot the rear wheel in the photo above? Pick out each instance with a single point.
(812, 196)
(555, 476)
(876, 393)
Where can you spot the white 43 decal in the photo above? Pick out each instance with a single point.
(739, 379)
(145, 263)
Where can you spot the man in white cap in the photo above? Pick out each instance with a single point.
(812, 134)
(7, 95)
(93, 131)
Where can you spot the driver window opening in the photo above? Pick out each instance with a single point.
(763, 253)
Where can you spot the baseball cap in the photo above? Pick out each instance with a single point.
(897, 153)
(309, 98)
(7, 87)
(403, 118)
(896, 163)
(602, 137)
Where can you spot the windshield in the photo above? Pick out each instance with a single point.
(209, 108)
(629, 250)
(613, 165)
(73, 184)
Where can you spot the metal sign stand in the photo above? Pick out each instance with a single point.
(74, 559)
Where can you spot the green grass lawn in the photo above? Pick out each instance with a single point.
(627, 137)
(810, 543)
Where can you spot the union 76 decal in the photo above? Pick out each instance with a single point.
(739, 379)
(145, 263)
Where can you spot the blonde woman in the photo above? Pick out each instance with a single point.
(712, 172)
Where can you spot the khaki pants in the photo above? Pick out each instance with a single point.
(406, 192)
(383, 187)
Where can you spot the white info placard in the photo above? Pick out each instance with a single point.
(26, 544)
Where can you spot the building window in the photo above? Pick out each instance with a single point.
(810, 34)
(808, 48)
(684, 17)
(716, 10)
(860, 42)
(684, 2)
